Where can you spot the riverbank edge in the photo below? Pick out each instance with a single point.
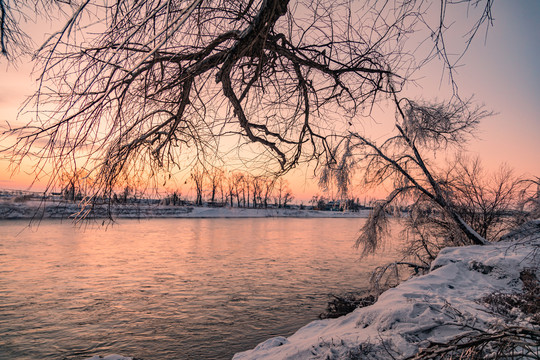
(43, 210)
(433, 308)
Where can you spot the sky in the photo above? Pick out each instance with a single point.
(505, 76)
(501, 71)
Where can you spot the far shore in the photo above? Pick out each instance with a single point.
(10, 210)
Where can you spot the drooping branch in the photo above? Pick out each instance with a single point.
(400, 159)
(154, 83)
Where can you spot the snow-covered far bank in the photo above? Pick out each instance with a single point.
(448, 302)
(36, 209)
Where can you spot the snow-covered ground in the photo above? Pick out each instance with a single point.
(435, 307)
(31, 209)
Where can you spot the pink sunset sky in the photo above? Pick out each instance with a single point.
(500, 70)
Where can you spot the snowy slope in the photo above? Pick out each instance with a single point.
(433, 307)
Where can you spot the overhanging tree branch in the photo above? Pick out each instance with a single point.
(156, 82)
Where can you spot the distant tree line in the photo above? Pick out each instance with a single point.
(321, 202)
(217, 187)
(75, 186)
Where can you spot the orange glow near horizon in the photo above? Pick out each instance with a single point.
(502, 74)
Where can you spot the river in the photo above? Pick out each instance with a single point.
(170, 288)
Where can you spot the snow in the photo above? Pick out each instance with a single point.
(135, 211)
(435, 307)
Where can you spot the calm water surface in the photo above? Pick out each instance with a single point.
(170, 288)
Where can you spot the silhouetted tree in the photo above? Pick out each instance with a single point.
(457, 206)
(174, 199)
(487, 202)
(420, 128)
(215, 176)
(237, 179)
(268, 188)
(198, 175)
(284, 195)
(141, 83)
(75, 184)
(257, 186)
(531, 198)
(230, 189)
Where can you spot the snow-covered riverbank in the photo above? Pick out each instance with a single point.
(47, 210)
(447, 302)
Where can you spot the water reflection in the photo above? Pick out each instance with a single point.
(170, 288)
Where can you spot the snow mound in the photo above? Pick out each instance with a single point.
(431, 308)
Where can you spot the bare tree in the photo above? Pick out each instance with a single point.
(75, 184)
(198, 176)
(71, 189)
(528, 195)
(489, 203)
(246, 188)
(340, 171)
(216, 181)
(231, 194)
(268, 188)
(144, 84)
(401, 160)
(237, 179)
(319, 202)
(287, 198)
(256, 185)
(492, 204)
(14, 40)
(283, 192)
(459, 205)
(174, 198)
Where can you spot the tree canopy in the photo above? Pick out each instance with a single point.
(133, 87)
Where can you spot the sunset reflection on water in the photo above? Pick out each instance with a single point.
(170, 288)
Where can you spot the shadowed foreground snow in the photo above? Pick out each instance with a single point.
(433, 307)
